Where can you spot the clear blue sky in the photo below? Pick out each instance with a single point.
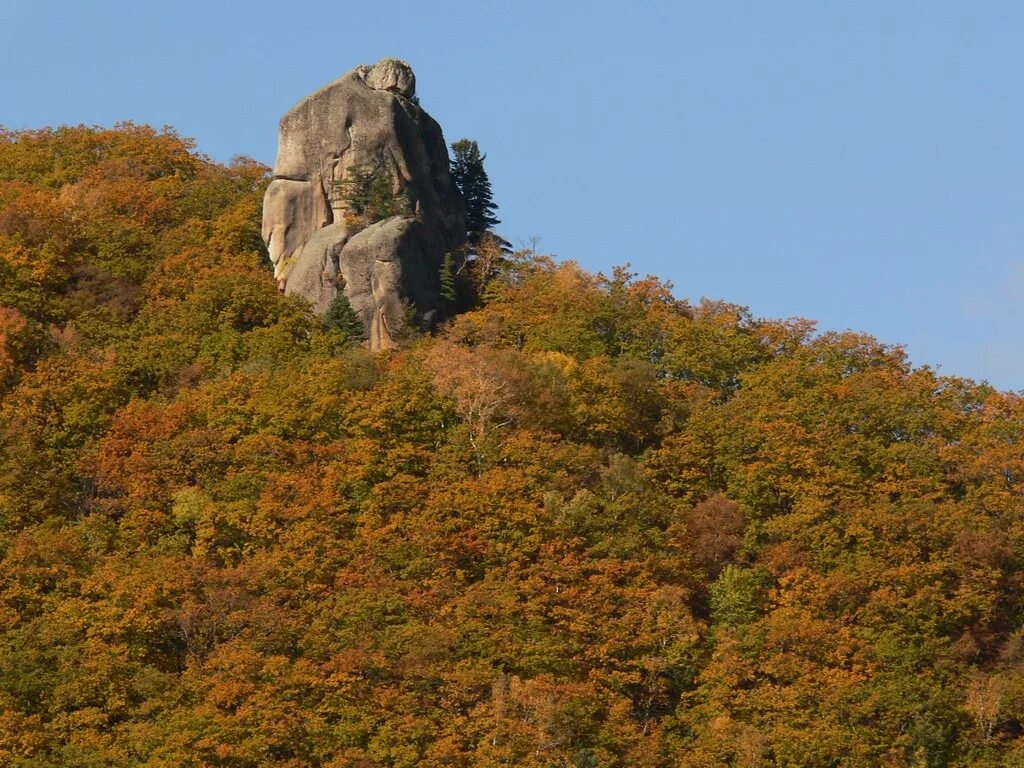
(858, 163)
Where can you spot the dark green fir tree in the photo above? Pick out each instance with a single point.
(341, 317)
(467, 168)
(449, 291)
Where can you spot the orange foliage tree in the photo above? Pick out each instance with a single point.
(586, 524)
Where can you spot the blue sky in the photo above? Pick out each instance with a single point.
(858, 163)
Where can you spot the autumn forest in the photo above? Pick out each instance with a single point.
(584, 523)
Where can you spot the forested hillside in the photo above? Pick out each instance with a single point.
(585, 524)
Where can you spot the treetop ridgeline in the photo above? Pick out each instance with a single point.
(580, 523)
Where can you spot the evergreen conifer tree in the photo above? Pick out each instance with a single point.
(340, 316)
(369, 196)
(448, 288)
(467, 169)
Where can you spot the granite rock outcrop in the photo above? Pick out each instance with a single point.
(366, 123)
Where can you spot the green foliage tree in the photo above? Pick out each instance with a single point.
(368, 195)
(737, 596)
(470, 177)
(341, 317)
(447, 279)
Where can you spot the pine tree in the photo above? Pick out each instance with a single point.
(382, 201)
(448, 289)
(368, 196)
(467, 169)
(354, 189)
(341, 317)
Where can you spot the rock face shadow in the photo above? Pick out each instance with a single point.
(365, 122)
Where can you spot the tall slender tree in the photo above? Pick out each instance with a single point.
(449, 291)
(467, 168)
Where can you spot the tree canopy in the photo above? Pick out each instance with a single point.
(585, 524)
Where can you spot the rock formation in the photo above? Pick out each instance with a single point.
(364, 124)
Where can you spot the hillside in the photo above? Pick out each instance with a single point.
(584, 524)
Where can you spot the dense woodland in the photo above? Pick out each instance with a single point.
(583, 524)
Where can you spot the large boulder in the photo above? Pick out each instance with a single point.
(365, 121)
